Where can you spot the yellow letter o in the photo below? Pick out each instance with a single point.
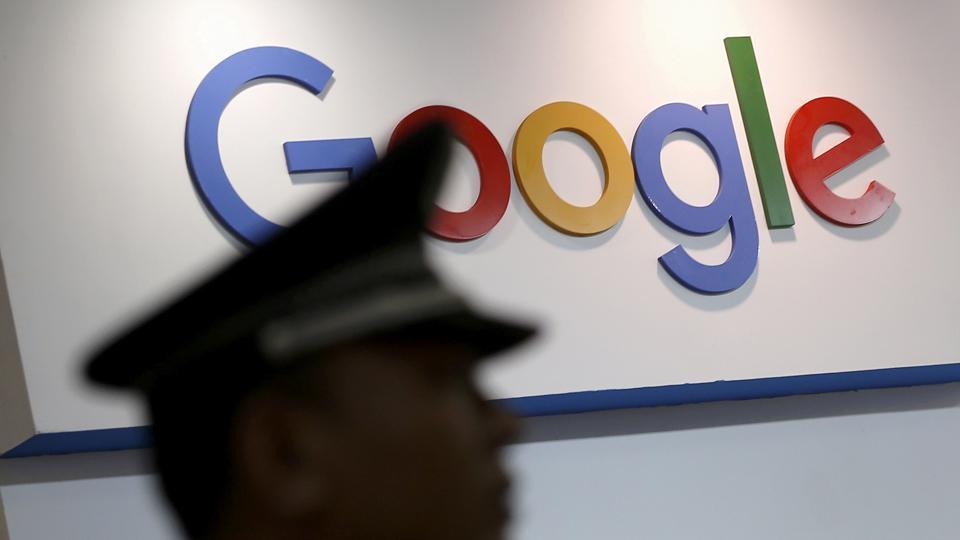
(532, 180)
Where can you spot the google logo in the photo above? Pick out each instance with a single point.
(639, 166)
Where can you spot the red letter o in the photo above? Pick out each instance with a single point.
(491, 162)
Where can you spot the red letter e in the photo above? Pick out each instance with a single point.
(809, 173)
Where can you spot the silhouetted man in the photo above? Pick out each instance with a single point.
(322, 386)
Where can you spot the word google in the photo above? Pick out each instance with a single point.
(622, 169)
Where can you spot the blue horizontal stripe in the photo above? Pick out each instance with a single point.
(73, 442)
(99, 440)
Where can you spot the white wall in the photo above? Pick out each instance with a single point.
(877, 465)
(99, 219)
(104, 86)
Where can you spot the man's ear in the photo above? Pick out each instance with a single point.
(281, 450)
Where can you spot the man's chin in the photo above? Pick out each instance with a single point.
(501, 514)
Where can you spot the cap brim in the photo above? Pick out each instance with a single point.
(307, 283)
(486, 335)
(422, 311)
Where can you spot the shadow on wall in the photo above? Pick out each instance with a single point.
(727, 413)
(61, 468)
